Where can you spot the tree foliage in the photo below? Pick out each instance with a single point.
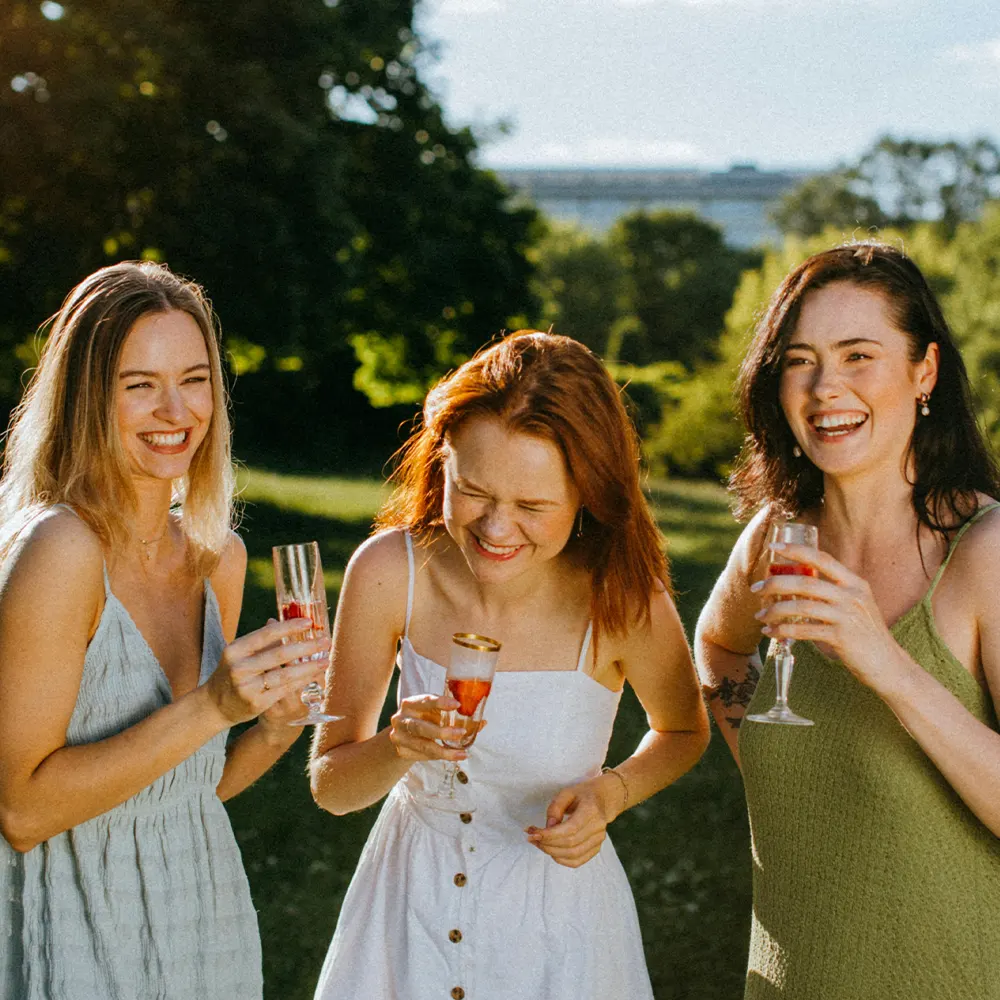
(898, 182)
(579, 280)
(653, 289)
(679, 281)
(288, 156)
(698, 432)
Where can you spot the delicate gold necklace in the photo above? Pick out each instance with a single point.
(146, 542)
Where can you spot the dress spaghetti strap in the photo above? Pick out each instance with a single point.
(409, 587)
(581, 664)
(954, 543)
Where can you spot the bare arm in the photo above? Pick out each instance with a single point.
(257, 749)
(353, 765)
(48, 604)
(657, 663)
(727, 636)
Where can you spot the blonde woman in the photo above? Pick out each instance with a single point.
(120, 590)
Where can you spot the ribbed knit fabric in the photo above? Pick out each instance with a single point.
(871, 877)
(148, 901)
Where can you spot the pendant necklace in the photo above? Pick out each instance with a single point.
(146, 542)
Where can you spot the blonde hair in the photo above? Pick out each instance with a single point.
(63, 445)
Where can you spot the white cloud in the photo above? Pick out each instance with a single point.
(791, 5)
(978, 54)
(467, 8)
(610, 151)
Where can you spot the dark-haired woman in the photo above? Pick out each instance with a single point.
(876, 832)
(518, 515)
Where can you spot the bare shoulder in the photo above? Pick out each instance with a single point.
(56, 564)
(378, 573)
(381, 558)
(232, 564)
(749, 554)
(228, 579)
(658, 631)
(56, 539)
(977, 555)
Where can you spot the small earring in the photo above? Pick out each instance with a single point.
(925, 398)
(797, 451)
(579, 523)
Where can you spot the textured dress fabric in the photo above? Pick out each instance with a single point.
(455, 902)
(148, 901)
(871, 877)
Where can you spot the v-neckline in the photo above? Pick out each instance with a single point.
(206, 590)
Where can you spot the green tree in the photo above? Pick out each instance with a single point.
(679, 281)
(970, 279)
(898, 182)
(828, 200)
(579, 282)
(699, 431)
(287, 155)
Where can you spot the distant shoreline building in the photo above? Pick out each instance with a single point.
(737, 200)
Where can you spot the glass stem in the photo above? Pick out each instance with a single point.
(312, 696)
(783, 663)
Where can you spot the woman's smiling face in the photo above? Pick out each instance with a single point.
(164, 394)
(509, 500)
(848, 387)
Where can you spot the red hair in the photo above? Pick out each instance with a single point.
(554, 388)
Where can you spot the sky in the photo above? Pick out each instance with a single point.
(709, 83)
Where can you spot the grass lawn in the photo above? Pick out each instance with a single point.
(686, 850)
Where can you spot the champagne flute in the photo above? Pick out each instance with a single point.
(298, 585)
(468, 680)
(790, 533)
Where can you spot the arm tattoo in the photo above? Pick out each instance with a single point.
(739, 693)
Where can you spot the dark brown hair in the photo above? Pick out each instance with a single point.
(555, 388)
(951, 458)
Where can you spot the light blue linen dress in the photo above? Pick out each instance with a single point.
(148, 901)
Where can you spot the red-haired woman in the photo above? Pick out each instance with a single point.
(518, 514)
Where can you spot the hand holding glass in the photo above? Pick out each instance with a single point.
(468, 680)
(790, 533)
(298, 584)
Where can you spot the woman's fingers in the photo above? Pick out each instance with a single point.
(575, 854)
(776, 587)
(818, 612)
(281, 656)
(281, 679)
(267, 636)
(823, 561)
(416, 729)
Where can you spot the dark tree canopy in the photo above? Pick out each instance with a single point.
(287, 155)
(679, 281)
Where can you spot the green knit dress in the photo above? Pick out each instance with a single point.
(871, 877)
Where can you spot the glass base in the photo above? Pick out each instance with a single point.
(780, 715)
(315, 718)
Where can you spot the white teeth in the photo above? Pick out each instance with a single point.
(499, 550)
(165, 440)
(838, 421)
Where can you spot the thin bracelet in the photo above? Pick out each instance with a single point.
(618, 775)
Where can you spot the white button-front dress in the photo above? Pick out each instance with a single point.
(457, 903)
